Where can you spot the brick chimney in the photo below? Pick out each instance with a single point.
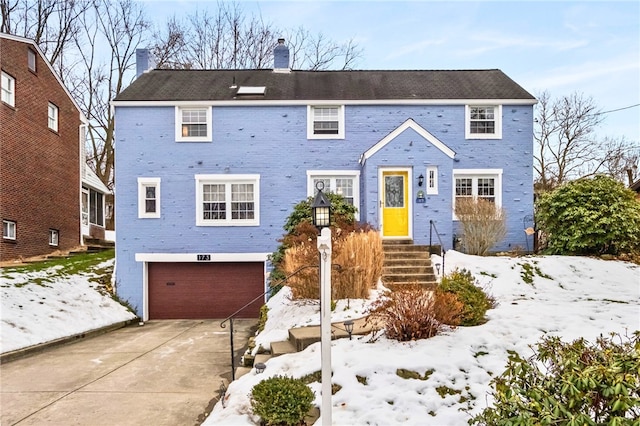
(281, 57)
(144, 61)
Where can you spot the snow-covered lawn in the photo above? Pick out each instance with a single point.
(49, 304)
(569, 297)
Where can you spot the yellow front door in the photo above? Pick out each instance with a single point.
(395, 204)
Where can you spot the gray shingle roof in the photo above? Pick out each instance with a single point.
(214, 85)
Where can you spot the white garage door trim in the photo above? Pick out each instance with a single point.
(147, 258)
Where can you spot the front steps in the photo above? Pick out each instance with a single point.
(407, 263)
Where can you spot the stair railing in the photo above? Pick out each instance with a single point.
(433, 228)
(271, 288)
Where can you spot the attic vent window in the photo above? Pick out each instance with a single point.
(251, 90)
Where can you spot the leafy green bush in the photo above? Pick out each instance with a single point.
(475, 301)
(299, 227)
(576, 383)
(281, 400)
(590, 216)
(410, 313)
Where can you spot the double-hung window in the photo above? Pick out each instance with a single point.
(476, 184)
(193, 124)
(227, 200)
(8, 230)
(483, 121)
(148, 197)
(53, 117)
(8, 89)
(325, 122)
(342, 182)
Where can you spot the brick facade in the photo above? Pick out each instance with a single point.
(39, 168)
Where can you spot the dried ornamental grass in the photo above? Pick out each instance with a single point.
(483, 225)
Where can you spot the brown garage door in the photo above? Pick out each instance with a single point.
(204, 290)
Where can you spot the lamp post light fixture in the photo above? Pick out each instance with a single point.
(321, 214)
(420, 180)
(348, 326)
(260, 367)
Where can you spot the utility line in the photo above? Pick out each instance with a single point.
(618, 109)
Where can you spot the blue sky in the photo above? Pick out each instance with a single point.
(563, 47)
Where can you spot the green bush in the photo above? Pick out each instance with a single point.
(299, 227)
(475, 301)
(590, 216)
(576, 383)
(281, 400)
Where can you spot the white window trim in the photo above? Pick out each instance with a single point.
(53, 108)
(310, 121)
(497, 117)
(32, 54)
(333, 174)
(432, 190)
(53, 232)
(227, 180)
(142, 184)
(178, 124)
(475, 174)
(9, 90)
(11, 235)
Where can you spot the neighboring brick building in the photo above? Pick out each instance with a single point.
(40, 155)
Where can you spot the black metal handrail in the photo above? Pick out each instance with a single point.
(442, 250)
(271, 288)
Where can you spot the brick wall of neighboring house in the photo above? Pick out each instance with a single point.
(39, 168)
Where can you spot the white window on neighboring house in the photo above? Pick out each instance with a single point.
(85, 207)
(342, 182)
(432, 180)
(478, 184)
(54, 235)
(227, 200)
(148, 198)
(31, 60)
(193, 124)
(325, 122)
(8, 89)
(483, 121)
(8, 230)
(96, 208)
(53, 117)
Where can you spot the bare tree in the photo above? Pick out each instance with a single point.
(227, 38)
(51, 24)
(120, 26)
(565, 144)
(621, 159)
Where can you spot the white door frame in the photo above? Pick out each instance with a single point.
(409, 200)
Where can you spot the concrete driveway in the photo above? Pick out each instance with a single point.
(162, 373)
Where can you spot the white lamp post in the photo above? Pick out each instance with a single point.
(321, 212)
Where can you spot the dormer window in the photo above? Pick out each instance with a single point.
(483, 122)
(325, 122)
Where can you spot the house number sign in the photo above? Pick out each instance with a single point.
(203, 257)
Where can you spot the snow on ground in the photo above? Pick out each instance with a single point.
(41, 306)
(569, 297)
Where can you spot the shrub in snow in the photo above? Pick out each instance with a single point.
(474, 300)
(482, 223)
(411, 312)
(578, 383)
(590, 216)
(281, 400)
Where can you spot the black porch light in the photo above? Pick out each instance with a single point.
(348, 326)
(420, 180)
(321, 208)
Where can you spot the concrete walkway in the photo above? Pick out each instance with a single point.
(161, 373)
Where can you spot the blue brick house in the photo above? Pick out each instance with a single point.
(209, 164)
